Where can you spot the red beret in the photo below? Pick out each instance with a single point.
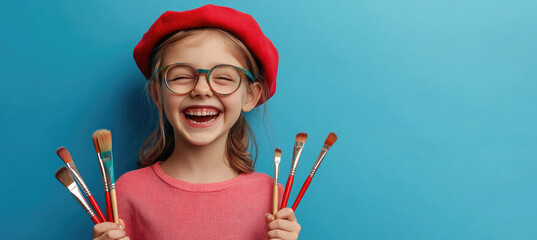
(240, 24)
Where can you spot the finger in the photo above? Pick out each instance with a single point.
(286, 213)
(100, 228)
(121, 224)
(283, 224)
(125, 238)
(114, 234)
(268, 218)
(280, 234)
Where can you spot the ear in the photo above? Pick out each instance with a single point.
(252, 97)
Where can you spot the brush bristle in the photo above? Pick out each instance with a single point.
(64, 176)
(331, 139)
(277, 153)
(104, 139)
(64, 154)
(301, 137)
(95, 143)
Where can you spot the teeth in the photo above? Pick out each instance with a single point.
(202, 113)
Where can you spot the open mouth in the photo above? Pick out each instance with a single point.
(201, 115)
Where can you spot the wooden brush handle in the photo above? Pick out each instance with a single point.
(114, 205)
(275, 200)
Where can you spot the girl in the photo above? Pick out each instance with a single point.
(205, 67)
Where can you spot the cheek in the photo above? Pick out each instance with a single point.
(235, 101)
(170, 103)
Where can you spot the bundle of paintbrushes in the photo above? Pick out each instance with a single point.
(102, 141)
(299, 145)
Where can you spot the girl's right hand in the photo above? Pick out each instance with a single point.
(109, 230)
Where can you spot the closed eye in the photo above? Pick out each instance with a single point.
(179, 78)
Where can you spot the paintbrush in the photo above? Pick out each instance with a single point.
(104, 139)
(277, 158)
(300, 140)
(67, 180)
(331, 139)
(104, 177)
(68, 160)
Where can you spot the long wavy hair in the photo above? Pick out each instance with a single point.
(160, 143)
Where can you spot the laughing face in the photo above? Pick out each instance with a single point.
(202, 117)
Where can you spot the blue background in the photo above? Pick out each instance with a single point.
(434, 103)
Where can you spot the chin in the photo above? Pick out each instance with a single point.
(202, 139)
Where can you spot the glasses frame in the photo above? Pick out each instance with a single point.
(200, 71)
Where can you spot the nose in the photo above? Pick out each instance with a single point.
(202, 88)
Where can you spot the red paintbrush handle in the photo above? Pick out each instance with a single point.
(96, 207)
(302, 191)
(287, 191)
(95, 219)
(108, 207)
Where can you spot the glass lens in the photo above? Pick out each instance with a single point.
(225, 79)
(181, 78)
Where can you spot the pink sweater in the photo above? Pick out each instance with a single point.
(157, 206)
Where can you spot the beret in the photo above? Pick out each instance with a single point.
(241, 25)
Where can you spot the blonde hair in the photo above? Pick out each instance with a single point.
(159, 145)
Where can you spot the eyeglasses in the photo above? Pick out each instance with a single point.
(223, 79)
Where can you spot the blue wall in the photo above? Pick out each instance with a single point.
(434, 103)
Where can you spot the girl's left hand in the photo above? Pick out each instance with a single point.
(282, 226)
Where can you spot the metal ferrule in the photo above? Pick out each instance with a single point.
(320, 158)
(104, 178)
(73, 188)
(296, 156)
(276, 171)
(110, 185)
(72, 168)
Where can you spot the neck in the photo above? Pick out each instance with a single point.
(199, 164)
